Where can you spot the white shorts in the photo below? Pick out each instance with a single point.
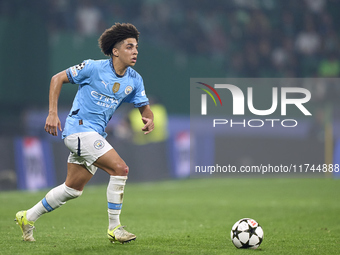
(86, 148)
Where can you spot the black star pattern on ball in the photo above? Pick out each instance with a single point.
(246, 245)
(251, 231)
(235, 233)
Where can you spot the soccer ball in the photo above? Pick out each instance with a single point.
(246, 233)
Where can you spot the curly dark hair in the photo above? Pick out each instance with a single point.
(116, 34)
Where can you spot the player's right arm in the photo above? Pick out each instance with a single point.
(52, 123)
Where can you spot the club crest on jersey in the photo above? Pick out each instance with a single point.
(128, 90)
(99, 144)
(116, 87)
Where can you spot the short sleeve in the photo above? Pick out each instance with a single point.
(138, 96)
(80, 74)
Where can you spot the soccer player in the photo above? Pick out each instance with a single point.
(103, 86)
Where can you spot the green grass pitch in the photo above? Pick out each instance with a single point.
(299, 216)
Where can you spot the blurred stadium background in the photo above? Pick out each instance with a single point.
(179, 40)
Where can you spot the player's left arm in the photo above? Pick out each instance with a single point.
(147, 118)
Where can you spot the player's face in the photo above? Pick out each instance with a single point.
(127, 52)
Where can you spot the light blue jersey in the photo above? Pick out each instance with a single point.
(101, 91)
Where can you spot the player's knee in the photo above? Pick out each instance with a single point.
(126, 170)
(122, 169)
